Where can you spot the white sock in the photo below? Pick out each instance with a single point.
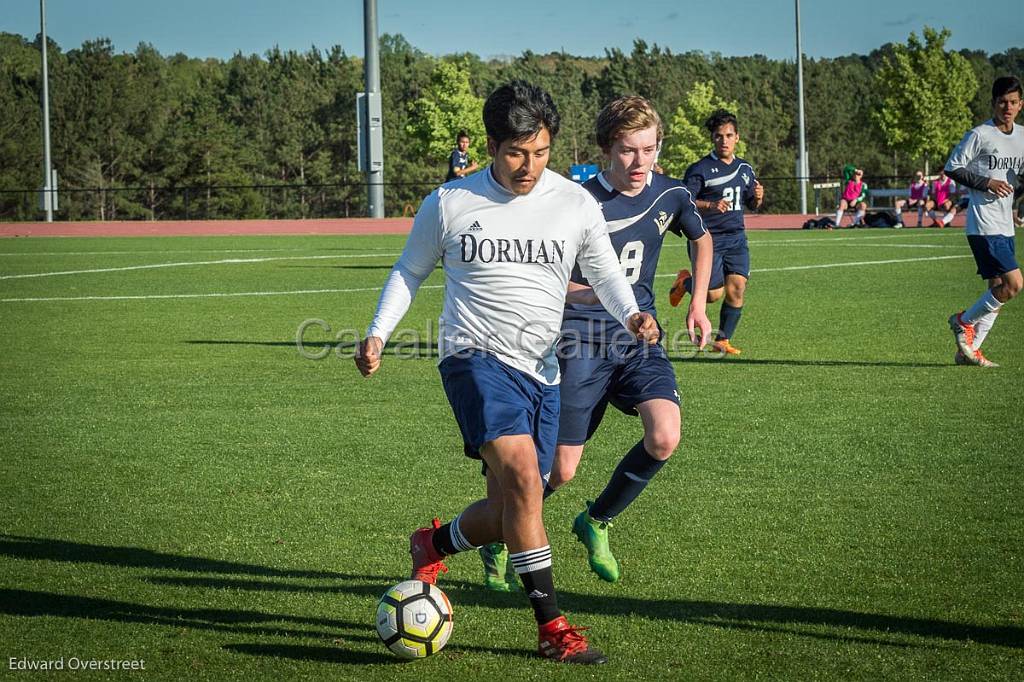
(459, 540)
(988, 303)
(947, 219)
(859, 218)
(839, 218)
(982, 326)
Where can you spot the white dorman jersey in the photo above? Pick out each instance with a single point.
(507, 260)
(989, 152)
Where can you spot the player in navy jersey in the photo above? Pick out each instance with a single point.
(724, 184)
(600, 362)
(459, 163)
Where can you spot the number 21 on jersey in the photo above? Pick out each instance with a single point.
(733, 195)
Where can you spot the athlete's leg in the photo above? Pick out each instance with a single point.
(843, 205)
(950, 214)
(1009, 286)
(858, 218)
(735, 288)
(567, 459)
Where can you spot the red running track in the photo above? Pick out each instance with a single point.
(186, 228)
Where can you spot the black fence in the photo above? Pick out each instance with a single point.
(343, 200)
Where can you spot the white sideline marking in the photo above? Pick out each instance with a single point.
(823, 266)
(150, 297)
(225, 261)
(166, 251)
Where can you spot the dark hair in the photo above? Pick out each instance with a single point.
(518, 110)
(1005, 85)
(462, 134)
(719, 118)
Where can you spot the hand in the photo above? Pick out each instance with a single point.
(696, 317)
(645, 327)
(722, 206)
(1000, 188)
(368, 356)
(758, 192)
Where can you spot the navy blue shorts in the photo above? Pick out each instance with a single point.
(994, 254)
(491, 399)
(595, 374)
(731, 257)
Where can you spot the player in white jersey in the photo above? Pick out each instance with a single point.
(989, 161)
(508, 238)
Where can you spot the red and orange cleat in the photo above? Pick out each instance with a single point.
(426, 562)
(963, 332)
(678, 290)
(723, 346)
(559, 641)
(977, 359)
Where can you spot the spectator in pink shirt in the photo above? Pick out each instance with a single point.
(855, 194)
(917, 197)
(943, 189)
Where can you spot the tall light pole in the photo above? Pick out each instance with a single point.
(48, 188)
(802, 150)
(374, 148)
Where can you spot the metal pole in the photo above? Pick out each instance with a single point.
(47, 175)
(374, 171)
(802, 151)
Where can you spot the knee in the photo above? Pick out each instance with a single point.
(734, 296)
(561, 473)
(661, 443)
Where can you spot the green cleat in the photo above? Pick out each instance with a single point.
(594, 536)
(495, 558)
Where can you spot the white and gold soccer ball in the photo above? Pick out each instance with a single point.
(414, 619)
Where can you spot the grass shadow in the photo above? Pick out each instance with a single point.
(47, 549)
(699, 358)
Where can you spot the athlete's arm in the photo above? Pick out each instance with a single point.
(420, 255)
(581, 294)
(960, 160)
(962, 176)
(696, 316)
(756, 196)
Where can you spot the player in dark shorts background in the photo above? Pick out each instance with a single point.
(724, 185)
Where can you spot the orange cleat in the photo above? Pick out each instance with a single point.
(963, 333)
(426, 562)
(678, 290)
(723, 346)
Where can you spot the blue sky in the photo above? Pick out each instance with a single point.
(220, 28)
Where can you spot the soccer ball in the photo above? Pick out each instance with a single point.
(414, 619)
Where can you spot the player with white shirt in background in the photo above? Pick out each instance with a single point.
(989, 161)
(508, 238)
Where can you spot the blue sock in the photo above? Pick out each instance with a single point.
(630, 478)
(728, 319)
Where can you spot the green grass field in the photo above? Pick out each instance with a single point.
(180, 486)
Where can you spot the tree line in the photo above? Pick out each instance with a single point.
(140, 135)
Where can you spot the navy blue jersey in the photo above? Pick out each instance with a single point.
(711, 179)
(637, 227)
(458, 160)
